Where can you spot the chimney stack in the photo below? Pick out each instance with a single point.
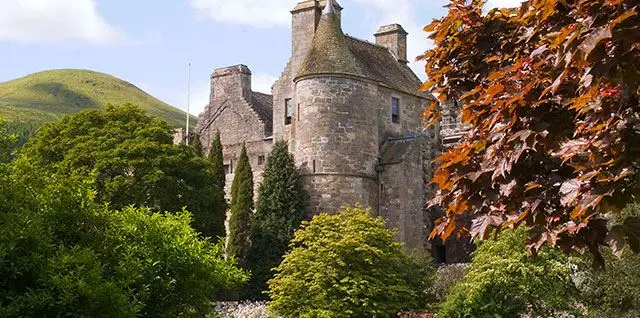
(394, 38)
(231, 82)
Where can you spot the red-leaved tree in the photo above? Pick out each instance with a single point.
(550, 91)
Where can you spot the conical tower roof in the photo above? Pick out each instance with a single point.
(329, 52)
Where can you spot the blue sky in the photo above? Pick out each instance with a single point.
(150, 42)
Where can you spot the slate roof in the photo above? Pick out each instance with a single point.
(262, 104)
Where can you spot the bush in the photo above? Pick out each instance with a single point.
(447, 276)
(347, 265)
(504, 281)
(615, 290)
(63, 255)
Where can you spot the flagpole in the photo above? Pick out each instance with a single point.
(188, 106)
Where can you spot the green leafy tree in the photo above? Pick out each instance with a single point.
(239, 238)
(131, 159)
(63, 255)
(7, 139)
(615, 290)
(504, 281)
(279, 212)
(348, 265)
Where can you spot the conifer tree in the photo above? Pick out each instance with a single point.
(219, 178)
(279, 212)
(217, 161)
(197, 145)
(239, 238)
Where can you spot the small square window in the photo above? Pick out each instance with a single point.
(395, 110)
(288, 112)
(260, 160)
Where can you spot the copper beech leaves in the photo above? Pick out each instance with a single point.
(550, 93)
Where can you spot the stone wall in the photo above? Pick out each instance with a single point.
(410, 116)
(337, 138)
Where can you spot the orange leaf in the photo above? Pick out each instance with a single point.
(622, 17)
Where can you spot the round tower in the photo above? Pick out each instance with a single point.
(336, 138)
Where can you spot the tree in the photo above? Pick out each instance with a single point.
(197, 145)
(219, 177)
(550, 92)
(7, 140)
(279, 212)
(61, 254)
(504, 281)
(131, 159)
(615, 291)
(239, 239)
(347, 265)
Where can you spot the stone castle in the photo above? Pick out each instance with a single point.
(351, 113)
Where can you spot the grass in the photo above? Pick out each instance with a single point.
(46, 96)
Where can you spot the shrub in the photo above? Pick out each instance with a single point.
(615, 290)
(63, 255)
(347, 265)
(504, 281)
(446, 277)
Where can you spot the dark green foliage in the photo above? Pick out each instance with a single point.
(217, 161)
(63, 255)
(615, 290)
(131, 160)
(279, 212)
(348, 265)
(504, 281)
(197, 145)
(218, 178)
(7, 140)
(239, 238)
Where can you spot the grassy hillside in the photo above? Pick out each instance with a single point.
(46, 96)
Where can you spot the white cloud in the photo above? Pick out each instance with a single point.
(257, 13)
(503, 3)
(55, 21)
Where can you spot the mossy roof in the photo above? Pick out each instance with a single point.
(329, 52)
(332, 52)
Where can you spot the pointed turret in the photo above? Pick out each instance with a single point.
(329, 52)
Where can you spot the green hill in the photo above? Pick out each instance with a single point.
(46, 96)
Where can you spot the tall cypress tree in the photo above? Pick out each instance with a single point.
(217, 161)
(279, 212)
(197, 145)
(212, 223)
(241, 209)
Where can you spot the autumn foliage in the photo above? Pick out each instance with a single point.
(550, 92)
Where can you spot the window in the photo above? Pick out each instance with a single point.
(226, 169)
(260, 160)
(314, 166)
(395, 110)
(288, 111)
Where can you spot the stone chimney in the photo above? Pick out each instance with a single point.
(393, 37)
(304, 22)
(231, 82)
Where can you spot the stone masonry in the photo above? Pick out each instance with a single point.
(351, 113)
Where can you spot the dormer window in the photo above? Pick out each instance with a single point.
(288, 111)
(395, 110)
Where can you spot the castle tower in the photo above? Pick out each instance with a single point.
(336, 141)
